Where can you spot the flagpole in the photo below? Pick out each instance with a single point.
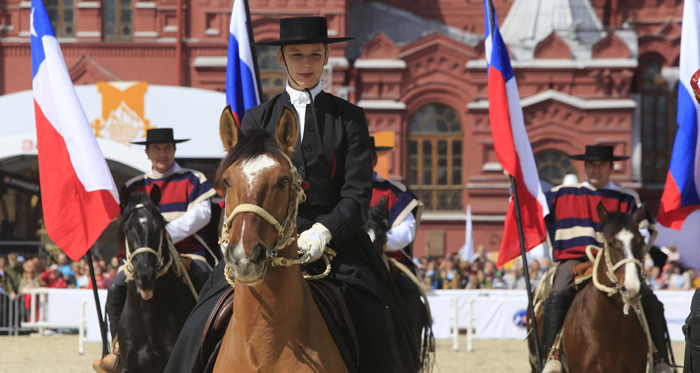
(103, 327)
(251, 40)
(531, 308)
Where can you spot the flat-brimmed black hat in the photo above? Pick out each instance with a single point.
(159, 135)
(378, 148)
(599, 153)
(303, 30)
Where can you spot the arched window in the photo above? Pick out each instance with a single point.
(553, 165)
(117, 21)
(272, 75)
(435, 157)
(62, 16)
(658, 123)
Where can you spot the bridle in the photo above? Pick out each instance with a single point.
(610, 269)
(162, 268)
(286, 230)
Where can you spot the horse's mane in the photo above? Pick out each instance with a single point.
(255, 143)
(145, 200)
(616, 222)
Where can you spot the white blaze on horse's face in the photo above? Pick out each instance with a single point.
(632, 283)
(252, 168)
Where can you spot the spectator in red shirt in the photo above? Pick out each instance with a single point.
(102, 282)
(53, 278)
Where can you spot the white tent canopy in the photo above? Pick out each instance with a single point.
(119, 112)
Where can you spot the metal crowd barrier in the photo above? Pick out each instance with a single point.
(10, 314)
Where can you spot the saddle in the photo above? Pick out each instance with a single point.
(328, 299)
(581, 273)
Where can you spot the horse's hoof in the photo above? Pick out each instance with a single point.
(106, 365)
(553, 366)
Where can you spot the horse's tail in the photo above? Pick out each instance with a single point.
(427, 346)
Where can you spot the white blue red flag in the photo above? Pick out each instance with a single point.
(682, 194)
(78, 194)
(241, 82)
(512, 146)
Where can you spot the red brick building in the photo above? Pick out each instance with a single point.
(591, 71)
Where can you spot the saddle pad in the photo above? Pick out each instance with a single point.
(581, 273)
(331, 303)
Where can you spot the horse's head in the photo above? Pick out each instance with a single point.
(263, 190)
(625, 250)
(143, 230)
(377, 224)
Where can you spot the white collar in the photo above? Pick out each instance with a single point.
(301, 98)
(610, 185)
(175, 168)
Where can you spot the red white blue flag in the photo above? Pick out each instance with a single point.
(512, 146)
(241, 82)
(77, 189)
(682, 194)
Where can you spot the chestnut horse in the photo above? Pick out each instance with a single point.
(276, 325)
(599, 334)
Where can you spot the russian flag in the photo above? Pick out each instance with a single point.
(512, 146)
(241, 82)
(681, 194)
(77, 190)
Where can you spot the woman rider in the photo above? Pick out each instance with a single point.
(333, 157)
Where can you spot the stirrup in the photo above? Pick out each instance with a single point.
(553, 366)
(108, 364)
(663, 367)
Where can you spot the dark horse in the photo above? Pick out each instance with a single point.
(159, 294)
(599, 334)
(409, 286)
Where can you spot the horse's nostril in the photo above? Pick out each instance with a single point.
(259, 253)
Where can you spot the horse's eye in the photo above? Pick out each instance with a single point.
(226, 184)
(284, 182)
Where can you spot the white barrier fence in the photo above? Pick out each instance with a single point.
(498, 314)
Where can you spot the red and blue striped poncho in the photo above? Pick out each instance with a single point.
(573, 223)
(181, 191)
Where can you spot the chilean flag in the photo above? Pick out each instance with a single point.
(77, 190)
(681, 194)
(512, 146)
(241, 82)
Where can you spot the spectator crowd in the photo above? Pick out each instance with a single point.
(451, 272)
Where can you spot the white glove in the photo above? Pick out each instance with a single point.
(313, 241)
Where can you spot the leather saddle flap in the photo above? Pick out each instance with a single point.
(581, 272)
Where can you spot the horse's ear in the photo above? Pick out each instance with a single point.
(602, 213)
(288, 130)
(124, 197)
(229, 129)
(155, 194)
(640, 214)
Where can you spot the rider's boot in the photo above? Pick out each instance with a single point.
(116, 297)
(110, 363)
(554, 312)
(654, 312)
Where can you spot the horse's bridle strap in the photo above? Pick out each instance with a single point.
(257, 210)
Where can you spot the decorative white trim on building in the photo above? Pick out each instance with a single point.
(170, 28)
(145, 34)
(620, 103)
(145, 5)
(210, 61)
(380, 63)
(563, 63)
(212, 32)
(88, 5)
(88, 34)
(381, 105)
(338, 62)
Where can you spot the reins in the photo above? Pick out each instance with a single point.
(286, 230)
(161, 267)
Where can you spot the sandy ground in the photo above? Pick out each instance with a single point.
(59, 353)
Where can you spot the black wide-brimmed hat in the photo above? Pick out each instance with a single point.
(378, 148)
(159, 135)
(303, 30)
(599, 153)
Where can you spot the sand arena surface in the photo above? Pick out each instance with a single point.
(59, 354)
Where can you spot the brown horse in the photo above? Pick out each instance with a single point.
(599, 334)
(276, 325)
